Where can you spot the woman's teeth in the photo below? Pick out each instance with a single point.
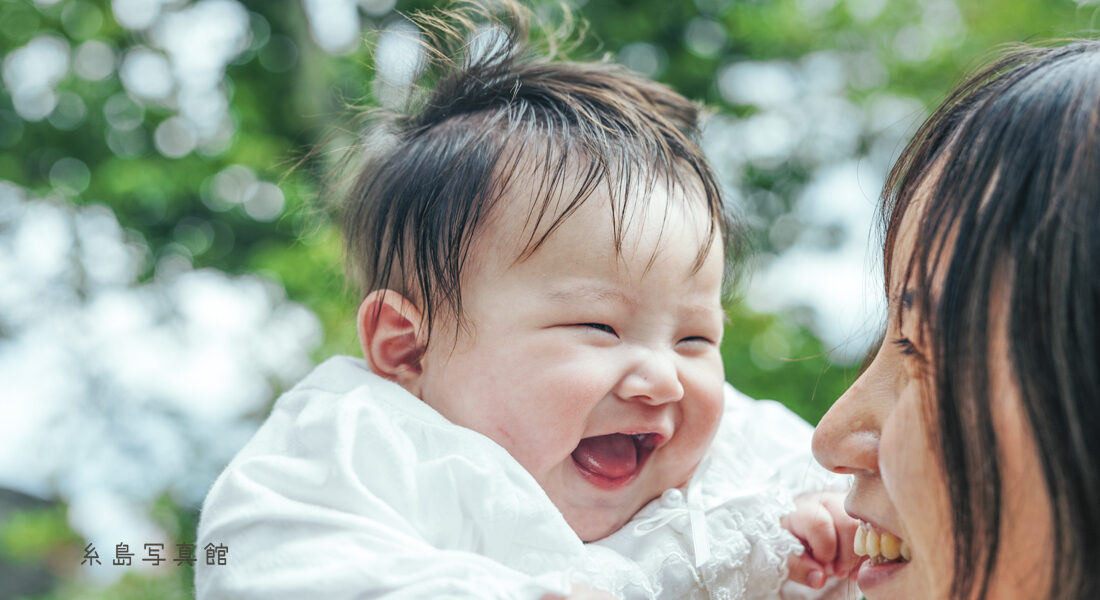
(880, 547)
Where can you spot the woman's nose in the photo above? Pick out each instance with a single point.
(847, 438)
(653, 379)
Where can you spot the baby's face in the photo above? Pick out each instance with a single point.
(598, 371)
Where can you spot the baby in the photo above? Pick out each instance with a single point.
(544, 252)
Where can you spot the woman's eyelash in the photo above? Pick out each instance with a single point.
(906, 347)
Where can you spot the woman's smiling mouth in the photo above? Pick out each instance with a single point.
(879, 547)
(886, 554)
(612, 461)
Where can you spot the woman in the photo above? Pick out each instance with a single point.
(974, 434)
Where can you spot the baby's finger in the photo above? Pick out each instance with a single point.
(814, 526)
(846, 559)
(806, 571)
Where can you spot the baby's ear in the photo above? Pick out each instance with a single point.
(389, 335)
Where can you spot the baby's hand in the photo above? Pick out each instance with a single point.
(826, 531)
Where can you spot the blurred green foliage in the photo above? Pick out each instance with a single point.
(287, 99)
(31, 535)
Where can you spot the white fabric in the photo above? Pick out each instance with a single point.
(759, 461)
(353, 488)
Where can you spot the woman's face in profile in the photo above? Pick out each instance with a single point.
(881, 431)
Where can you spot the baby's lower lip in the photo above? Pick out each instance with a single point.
(606, 483)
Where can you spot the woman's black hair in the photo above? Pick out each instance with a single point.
(1005, 178)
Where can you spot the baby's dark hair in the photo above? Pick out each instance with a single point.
(434, 172)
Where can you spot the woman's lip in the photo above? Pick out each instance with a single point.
(872, 522)
(871, 576)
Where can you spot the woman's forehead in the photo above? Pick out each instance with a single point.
(918, 241)
(900, 253)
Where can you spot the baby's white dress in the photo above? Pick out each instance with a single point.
(354, 488)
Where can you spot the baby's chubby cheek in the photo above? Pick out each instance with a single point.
(705, 414)
(695, 432)
(543, 435)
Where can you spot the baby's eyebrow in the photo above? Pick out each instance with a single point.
(591, 293)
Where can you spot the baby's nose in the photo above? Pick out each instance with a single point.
(653, 380)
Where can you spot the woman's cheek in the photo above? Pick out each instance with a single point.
(916, 485)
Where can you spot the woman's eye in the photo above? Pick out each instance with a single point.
(600, 327)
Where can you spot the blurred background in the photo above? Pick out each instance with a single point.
(167, 265)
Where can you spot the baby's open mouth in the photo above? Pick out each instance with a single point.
(880, 547)
(615, 457)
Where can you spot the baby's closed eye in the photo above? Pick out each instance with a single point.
(599, 327)
(696, 345)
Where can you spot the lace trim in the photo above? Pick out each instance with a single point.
(720, 537)
(747, 559)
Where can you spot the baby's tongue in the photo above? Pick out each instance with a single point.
(611, 456)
